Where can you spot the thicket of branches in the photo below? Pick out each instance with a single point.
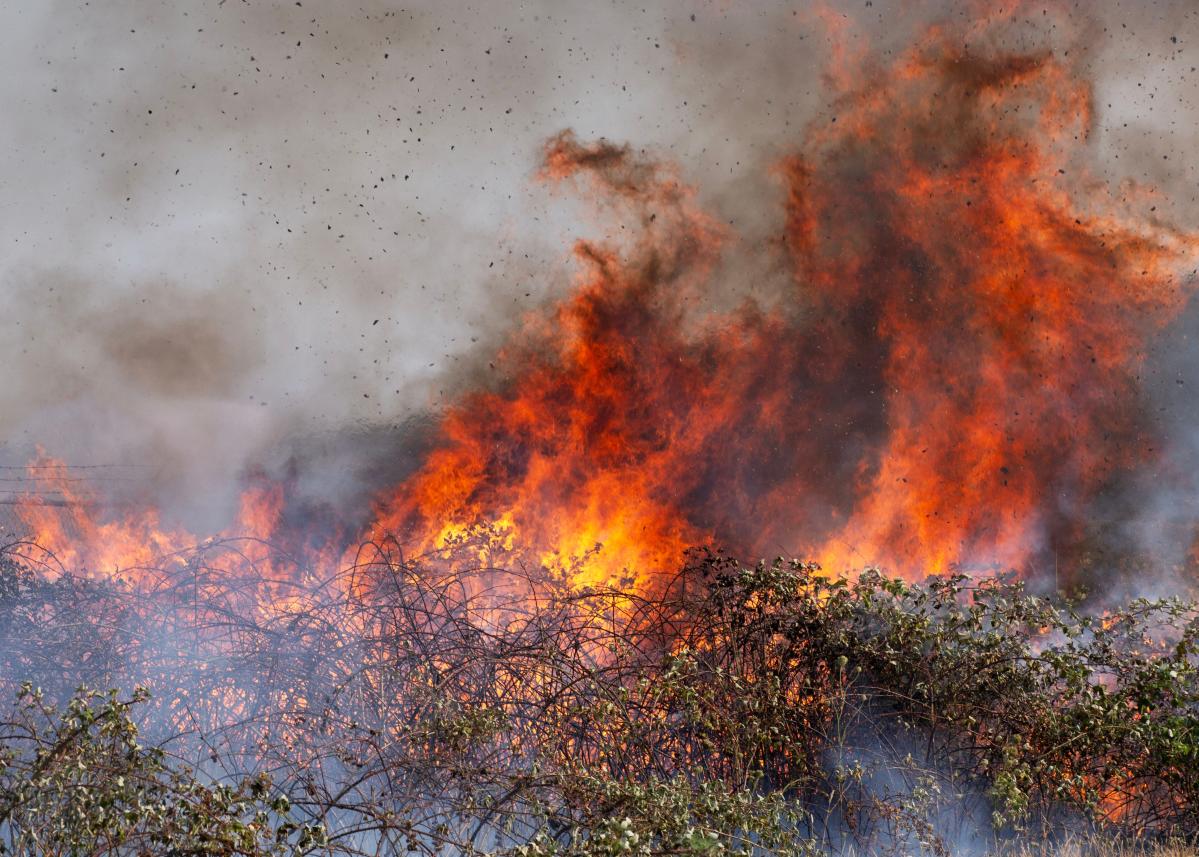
(446, 706)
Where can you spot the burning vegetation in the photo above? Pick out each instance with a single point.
(506, 658)
(739, 709)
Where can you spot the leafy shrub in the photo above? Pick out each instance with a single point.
(77, 781)
(438, 706)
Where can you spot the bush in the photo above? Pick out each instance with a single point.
(78, 782)
(438, 706)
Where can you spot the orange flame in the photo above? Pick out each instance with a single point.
(961, 372)
(949, 378)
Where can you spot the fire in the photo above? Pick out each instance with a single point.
(952, 372)
(75, 535)
(1006, 316)
(947, 380)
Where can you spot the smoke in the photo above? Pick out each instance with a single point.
(248, 236)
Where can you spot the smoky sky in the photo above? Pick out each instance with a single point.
(231, 226)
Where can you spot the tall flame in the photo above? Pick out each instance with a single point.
(951, 378)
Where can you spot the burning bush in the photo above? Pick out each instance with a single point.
(946, 371)
(740, 708)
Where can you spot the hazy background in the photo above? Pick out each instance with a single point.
(237, 232)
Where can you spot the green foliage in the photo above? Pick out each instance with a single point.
(1049, 709)
(427, 710)
(77, 781)
(879, 705)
